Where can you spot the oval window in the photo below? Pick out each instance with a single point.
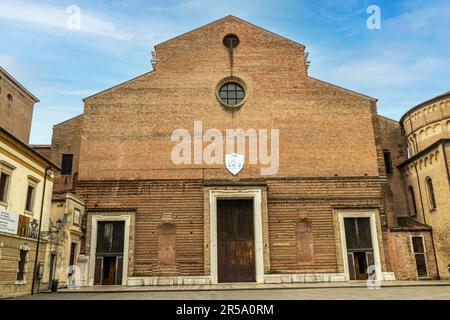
(231, 41)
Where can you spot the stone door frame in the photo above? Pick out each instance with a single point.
(256, 196)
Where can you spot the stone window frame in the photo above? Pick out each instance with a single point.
(424, 253)
(33, 183)
(7, 169)
(76, 222)
(229, 80)
(23, 247)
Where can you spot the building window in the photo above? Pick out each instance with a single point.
(412, 202)
(419, 255)
(66, 164)
(231, 41)
(431, 197)
(4, 186)
(76, 217)
(22, 264)
(231, 94)
(388, 161)
(31, 193)
(6, 171)
(10, 98)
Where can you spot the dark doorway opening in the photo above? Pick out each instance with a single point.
(358, 239)
(73, 252)
(52, 269)
(109, 270)
(109, 255)
(360, 265)
(235, 241)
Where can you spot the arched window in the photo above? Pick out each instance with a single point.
(412, 202)
(430, 190)
(10, 98)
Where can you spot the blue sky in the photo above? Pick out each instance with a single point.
(404, 63)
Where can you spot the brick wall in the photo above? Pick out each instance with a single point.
(324, 130)
(152, 199)
(15, 117)
(393, 140)
(66, 140)
(317, 200)
(403, 259)
(288, 200)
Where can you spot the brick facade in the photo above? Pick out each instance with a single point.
(16, 107)
(331, 158)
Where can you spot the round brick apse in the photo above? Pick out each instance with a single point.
(427, 122)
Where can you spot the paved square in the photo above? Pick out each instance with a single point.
(384, 293)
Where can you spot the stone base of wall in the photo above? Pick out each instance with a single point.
(304, 277)
(315, 277)
(269, 278)
(389, 276)
(168, 281)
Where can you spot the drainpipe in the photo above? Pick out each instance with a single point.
(47, 170)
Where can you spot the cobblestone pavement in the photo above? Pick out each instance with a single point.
(389, 293)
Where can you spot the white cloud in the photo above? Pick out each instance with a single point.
(57, 17)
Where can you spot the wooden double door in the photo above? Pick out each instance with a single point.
(359, 247)
(235, 241)
(109, 253)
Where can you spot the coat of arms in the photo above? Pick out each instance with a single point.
(234, 162)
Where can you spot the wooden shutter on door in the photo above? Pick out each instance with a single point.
(98, 270)
(119, 271)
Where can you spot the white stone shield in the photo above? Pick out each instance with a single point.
(234, 162)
